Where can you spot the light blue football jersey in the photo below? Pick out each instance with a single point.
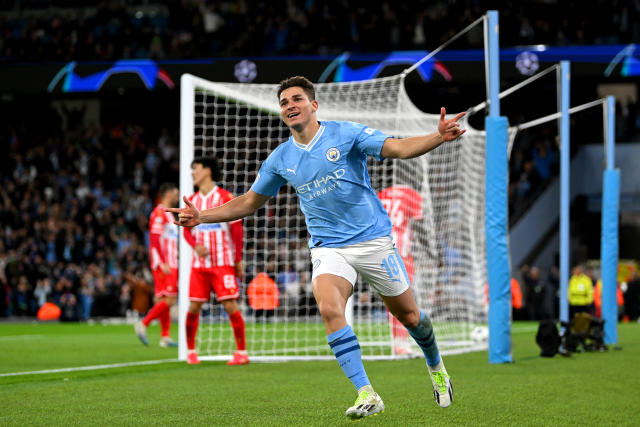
(332, 182)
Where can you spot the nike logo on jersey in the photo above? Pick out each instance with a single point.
(291, 170)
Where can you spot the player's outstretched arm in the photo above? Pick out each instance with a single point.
(415, 146)
(237, 208)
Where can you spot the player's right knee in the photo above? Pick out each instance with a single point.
(330, 311)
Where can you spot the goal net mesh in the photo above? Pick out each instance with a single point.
(443, 232)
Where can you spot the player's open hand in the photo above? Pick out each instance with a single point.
(189, 216)
(450, 129)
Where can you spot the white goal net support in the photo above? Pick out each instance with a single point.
(240, 125)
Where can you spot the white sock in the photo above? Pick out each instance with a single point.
(366, 388)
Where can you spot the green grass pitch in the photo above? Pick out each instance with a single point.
(586, 389)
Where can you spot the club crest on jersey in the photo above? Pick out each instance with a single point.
(333, 154)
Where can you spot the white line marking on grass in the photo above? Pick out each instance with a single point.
(20, 337)
(90, 368)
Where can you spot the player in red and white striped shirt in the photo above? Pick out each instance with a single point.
(217, 260)
(163, 257)
(403, 204)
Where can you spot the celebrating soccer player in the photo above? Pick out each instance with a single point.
(217, 260)
(325, 162)
(163, 257)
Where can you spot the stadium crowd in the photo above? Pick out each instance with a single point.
(75, 200)
(534, 160)
(533, 164)
(74, 209)
(74, 205)
(70, 29)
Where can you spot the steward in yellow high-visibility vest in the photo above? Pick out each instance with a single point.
(580, 292)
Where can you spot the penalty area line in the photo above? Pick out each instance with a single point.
(90, 368)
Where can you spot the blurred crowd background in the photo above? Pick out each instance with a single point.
(65, 30)
(74, 210)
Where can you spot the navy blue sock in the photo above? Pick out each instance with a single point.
(344, 344)
(423, 334)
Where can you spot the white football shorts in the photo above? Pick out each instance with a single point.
(377, 261)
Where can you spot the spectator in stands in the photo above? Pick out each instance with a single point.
(73, 225)
(543, 161)
(68, 304)
(632, 296)
(86, 294)
(553, 299)
(195, 28)
(21, 297)
(536, 292)
(42, 291)
(288, 281)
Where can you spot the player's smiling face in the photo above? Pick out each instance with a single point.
(296, 110)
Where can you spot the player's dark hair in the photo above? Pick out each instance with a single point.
(211, 163)
(164, 187)
(298, 81)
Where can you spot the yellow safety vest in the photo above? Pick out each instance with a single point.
(580, 290)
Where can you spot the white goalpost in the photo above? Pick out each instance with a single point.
(240, 125)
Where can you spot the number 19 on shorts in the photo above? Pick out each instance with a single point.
(394, 270)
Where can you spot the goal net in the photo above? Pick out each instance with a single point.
(439, 197)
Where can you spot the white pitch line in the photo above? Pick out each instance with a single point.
(20, 337)
(90, 368)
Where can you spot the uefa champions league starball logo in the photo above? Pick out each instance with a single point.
(527, 63)
(333, 154)
(245, 71)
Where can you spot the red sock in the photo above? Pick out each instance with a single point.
(165, 322)
(237, 323)
(155, 312)
(192, 328)
(397, 328)
(399, 331)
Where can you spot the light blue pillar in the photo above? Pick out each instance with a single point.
(609, 237)
(494, 63)
(565, 157)
(496, 208)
